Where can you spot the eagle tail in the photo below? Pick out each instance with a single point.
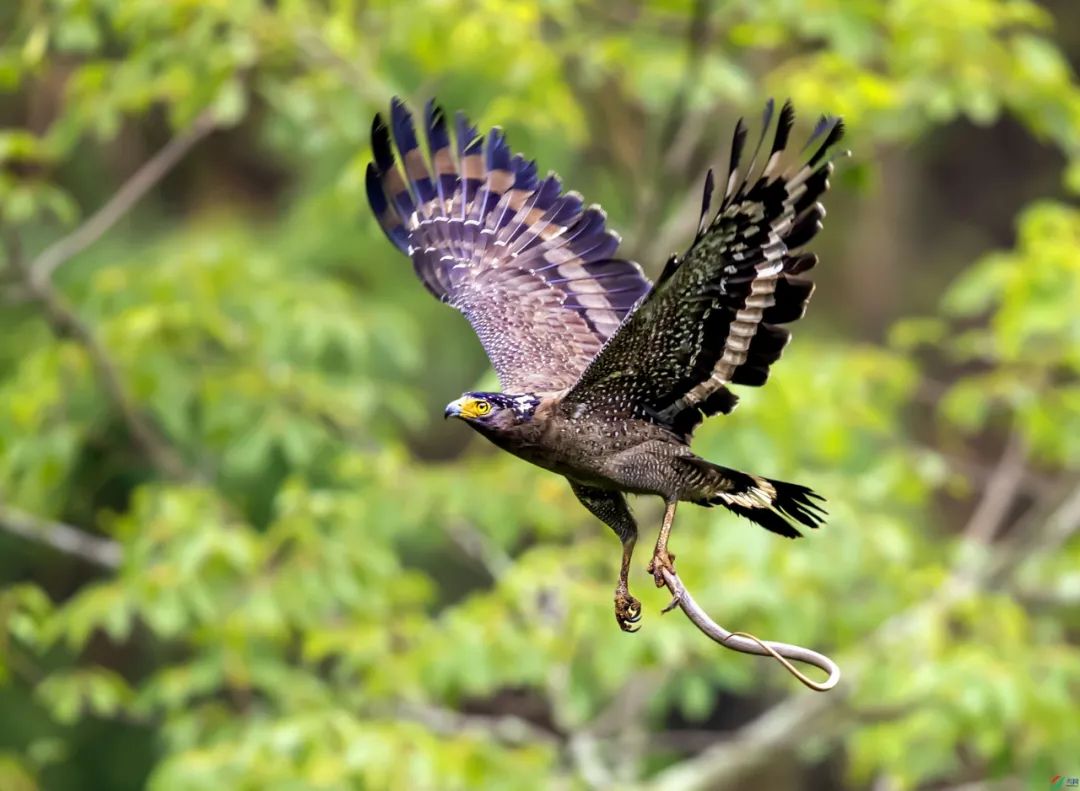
(775, 505)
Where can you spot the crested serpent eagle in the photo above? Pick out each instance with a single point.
(605, 375)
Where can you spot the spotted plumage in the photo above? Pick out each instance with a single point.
(605, 375)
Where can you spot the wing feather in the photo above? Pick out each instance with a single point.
(714, 318)
(531, 267)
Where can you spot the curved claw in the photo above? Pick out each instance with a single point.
(627, 612)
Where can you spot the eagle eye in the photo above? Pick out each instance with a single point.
(481, 407)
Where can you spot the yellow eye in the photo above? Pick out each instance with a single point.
(481, 408)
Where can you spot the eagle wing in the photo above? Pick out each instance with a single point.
(529, 266)
(714, 317)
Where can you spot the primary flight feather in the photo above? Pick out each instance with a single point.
(605, 375)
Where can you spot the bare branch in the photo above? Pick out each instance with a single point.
(665, 236)
(1053, 529)
(585, 754)
(65, 322)
(747, 643)
(151, 172)
(999, 492)
(697, 42)
(479, 548)
(37, 279)
(628, 705)
(317, 51)
(64, 538)
(752, 746)
(619, 733)
(680, 137)
(507, 729)
(1037, 485)
(144, 179)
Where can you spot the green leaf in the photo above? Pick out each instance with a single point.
(230, 104)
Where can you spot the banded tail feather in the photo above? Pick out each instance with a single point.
(775, 505)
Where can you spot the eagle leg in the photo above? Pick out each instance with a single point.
(662, 559)
(627, 608)
(610, 507)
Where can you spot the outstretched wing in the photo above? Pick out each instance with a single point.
(529, 266)
(714, 316)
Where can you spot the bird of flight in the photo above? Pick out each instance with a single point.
(605, 375)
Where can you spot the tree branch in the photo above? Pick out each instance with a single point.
(507, 729)
(999, 492)
(69, 540)
(37, 278)
(697, 41)
(317, 51)
(66, 323)
(479, 548)
(149, 174)
(584, 751)
(1054, 529)
(679, 137)
(750, 748)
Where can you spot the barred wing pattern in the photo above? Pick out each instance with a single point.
(712, 318)
(529, 266)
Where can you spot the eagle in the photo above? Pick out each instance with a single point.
(606, 375)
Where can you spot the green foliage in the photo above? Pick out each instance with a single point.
(344, 592)
(1031, 345)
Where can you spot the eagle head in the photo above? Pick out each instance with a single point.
(493, 411)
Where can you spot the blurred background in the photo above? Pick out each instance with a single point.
(240, 548)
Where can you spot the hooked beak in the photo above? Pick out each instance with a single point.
(453, 409)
